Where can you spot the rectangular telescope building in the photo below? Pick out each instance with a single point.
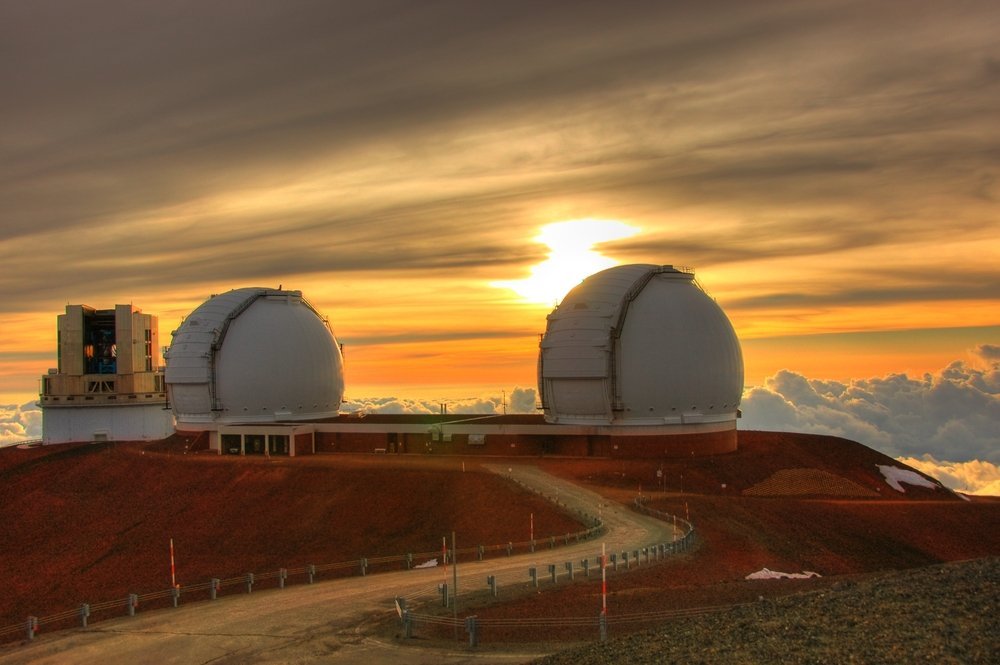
(108, 385)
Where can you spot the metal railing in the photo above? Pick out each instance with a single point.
(21, 442)
(473, 624)
(128, 605)
(615, 563)
(640, 504)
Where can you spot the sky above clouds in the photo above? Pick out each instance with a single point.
(830, 169)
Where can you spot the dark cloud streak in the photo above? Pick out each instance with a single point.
(805, 130)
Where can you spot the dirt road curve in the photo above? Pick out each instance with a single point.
(328, 622)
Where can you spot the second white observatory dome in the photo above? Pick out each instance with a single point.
(640, 345)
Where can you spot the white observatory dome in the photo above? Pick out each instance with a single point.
(639, 345)
(254, 355)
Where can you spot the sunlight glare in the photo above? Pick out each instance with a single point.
(571, 258)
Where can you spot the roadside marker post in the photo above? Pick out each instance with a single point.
(604, 594)
(443, 589)
(173, 571)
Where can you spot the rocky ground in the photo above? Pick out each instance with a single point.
(936, 614)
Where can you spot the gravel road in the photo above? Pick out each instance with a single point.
(328, 622)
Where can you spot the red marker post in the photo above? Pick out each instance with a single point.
(173, 572)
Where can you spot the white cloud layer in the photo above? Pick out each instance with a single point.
(975, 477)
(20, 423)
(953, 415)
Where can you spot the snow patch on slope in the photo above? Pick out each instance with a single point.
(896, 476)
(768, 574)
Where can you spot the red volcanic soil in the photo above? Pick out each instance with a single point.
(92, 523)
(738, 535)
(759, 456)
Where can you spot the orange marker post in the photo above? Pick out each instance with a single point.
(173, 572)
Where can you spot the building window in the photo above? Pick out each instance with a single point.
(232, 444)
(253, 444)
(100, 348)
(100, 387)
(149, 350)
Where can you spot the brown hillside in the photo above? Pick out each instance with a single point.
(759, 457)
(93, 522)
(737, 535)
(89, 523)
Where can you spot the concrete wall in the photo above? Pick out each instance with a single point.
(574, 445)
(679, 445)
(111, 423)
(303, 444)
(351, 442)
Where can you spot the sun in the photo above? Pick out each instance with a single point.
(571, 258)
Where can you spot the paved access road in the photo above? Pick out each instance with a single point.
(329, 622)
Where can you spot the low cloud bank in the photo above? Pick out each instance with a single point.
(519, 400)
(975, 477)
(20, 423)
(951, 415)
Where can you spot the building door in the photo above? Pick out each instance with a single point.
(277, 444)
(232, 444)
(253, 444)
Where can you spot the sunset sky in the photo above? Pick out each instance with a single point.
(829, 169)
